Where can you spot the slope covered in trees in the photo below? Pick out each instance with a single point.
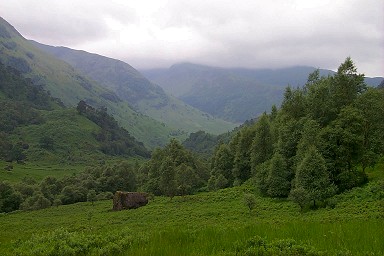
(318, 143)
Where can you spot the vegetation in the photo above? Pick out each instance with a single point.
(213, 223)
(318, 151)
(114, 139)
(319, 143)
(172, 171)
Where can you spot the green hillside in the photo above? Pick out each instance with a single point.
(36, 128)
(147, 98)
(64, 82)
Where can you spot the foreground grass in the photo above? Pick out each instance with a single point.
(215, 223)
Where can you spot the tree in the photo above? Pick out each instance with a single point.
(342, 142)
(278, 181)
(262, 144)
(371, 107)
(174, 169)
(242, 158)
(222, 163)
(186, 179)
(299, 196)
(294, 103)
(347, 84)
(36, 202)
(10, 200)
(167, 182)
(250, 201)
(262, 177)
(309, 137)
(91, 196)
(312, 177)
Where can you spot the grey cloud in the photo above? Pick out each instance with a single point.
(227, 33)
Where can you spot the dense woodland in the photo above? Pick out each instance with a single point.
(317, 144)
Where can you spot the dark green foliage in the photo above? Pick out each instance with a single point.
(174, 171)
(46, 142)
(201, 142)
(262, 144)
(242, 155)
(114, 139)
(36, 202)
(278, 179)
(17, 88)
(312, 177)
(371, 107)
(221, 167)
(10, 199)
(98, 183)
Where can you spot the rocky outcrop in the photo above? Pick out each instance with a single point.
(129, 200)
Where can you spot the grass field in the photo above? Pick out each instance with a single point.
(214, 223)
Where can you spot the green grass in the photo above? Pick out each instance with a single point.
(214, 223)
(37, 171)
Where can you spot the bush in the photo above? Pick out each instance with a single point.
(259, 246)
(63, 242)
(351, 179)
(250, 201)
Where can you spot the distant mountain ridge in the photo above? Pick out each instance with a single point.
(234, 94)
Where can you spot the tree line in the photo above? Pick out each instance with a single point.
(94, 183)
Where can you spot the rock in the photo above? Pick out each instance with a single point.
(129, 200)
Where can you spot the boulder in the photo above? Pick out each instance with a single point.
(129, 200)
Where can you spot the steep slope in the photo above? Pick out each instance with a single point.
(232, 94)
(129, 85)
(35, 127)
(64, 82)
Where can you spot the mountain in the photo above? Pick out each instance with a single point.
(70, 86)
(145, 97)
(62, 81)
(233, 94)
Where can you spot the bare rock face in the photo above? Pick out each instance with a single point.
(129, 200)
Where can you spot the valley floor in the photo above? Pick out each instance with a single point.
(214, 223)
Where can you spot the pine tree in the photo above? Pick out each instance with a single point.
(278, 182)
(313, 178)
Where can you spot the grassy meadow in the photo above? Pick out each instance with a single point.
(210, 223)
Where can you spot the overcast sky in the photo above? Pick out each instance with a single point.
(236, 33)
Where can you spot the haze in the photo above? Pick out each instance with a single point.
(253, 34)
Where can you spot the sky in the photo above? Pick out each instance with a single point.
(242, 33)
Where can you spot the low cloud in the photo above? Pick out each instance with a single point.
(256, 34)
